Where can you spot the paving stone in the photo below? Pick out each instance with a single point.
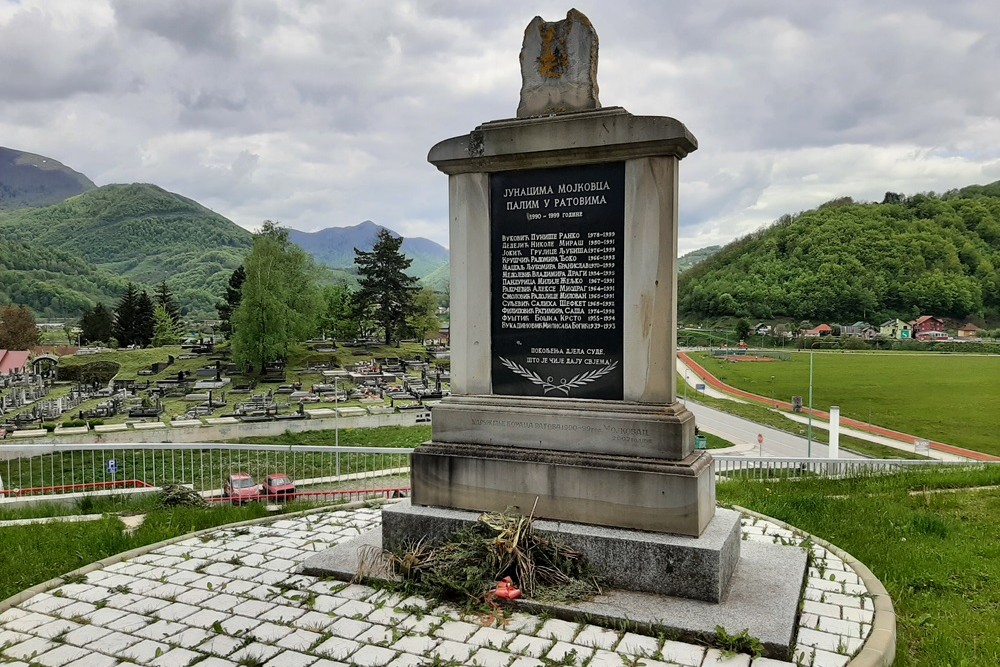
(525, 661)
(597, 637)
(453, 651)
(348, 628)
(562, 649)
(840, 627)
(488, 657)
(821, 609)
(492, 637)
(94, 660)
(828, 659)
(160, 630)
(417, 644)
(54, 628)
(859, 615)
(534, 647)
(251, 608)
(255, 651)
(420, 625)
(291, 659)
(456, 630)
(12, 614)
(147, 606)
(29, 648)
(199, 596)
(372, 656)
(145, 651)
(682, 654)
(826, 641)
(84, 635)
(177, 611)
(407, 660)
(220, 645)
(521, 622)
(376, 634)
(715, 658)
(269, 633)
(114, 643)
(558, 629)
(47, 604)
(213, 661)
(8, 637)
(603, 658)
(282, 614)
(60, 655)
(337, 648)
(633, 644)
(237, 625)
(386, 616)
(176, 657)
(206, 618)
(355, 609)
(315, 621)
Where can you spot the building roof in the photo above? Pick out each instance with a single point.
(924, 318)
(13, 360)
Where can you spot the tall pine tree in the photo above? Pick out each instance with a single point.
(234, 293)
(165, 297)
(126, 317)
(386, 292)
(96, 325)
(145, 320)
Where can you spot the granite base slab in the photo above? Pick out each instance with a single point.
(692, 567)
(763, 598)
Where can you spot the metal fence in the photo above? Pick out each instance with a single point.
(350, 472)
(745, 467)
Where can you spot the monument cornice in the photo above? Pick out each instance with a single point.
(603, 135)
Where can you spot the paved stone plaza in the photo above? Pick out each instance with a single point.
(232, 596)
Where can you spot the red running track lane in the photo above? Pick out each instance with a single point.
(716, 383)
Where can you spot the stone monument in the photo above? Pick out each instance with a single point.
(563, 235)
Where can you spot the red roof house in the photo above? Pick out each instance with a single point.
(821, 330)
(12, 361)
(927, 323)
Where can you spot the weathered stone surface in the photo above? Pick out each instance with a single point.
(629, 492)
(559, 66)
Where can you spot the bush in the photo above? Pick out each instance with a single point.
(74, 423)
(49, 426)
(853, 343)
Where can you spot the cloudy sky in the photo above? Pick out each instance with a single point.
(320, 113)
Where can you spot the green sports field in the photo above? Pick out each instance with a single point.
(948, 398)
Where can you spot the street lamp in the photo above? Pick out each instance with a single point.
(336, 414)
(772, 392)
(809, 436)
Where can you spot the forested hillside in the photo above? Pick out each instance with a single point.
(52, 282)
(845, 261)
(139, 232)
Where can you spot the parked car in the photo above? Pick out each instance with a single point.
(240, 488)
(279, 486)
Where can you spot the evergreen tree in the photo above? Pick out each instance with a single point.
(96, 325)
(145, 320)
(126, 317)
(164, 297)
(234, 293)
(386, 292)
(18, 329)
(165, 329)
(280, 303)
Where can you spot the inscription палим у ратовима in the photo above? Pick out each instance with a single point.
(557, 248)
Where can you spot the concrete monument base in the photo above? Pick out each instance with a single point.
(694, 568)
(649, 494)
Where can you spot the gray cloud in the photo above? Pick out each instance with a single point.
(318, 113)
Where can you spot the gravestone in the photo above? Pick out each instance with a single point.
(563, 238)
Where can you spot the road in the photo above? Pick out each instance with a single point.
(741, 431)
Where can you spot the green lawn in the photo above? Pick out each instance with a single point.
(949, 398)
(938, 554)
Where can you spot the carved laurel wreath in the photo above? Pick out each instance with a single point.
(563, 385)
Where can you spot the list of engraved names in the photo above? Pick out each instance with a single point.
(558, 280)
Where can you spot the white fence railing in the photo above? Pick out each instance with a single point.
(746, 467)
(44, 470)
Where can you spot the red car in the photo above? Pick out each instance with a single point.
(240, 488)
(279, 486)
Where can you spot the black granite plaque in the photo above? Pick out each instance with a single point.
(556, 271)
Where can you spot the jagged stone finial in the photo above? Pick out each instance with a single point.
(558, 66)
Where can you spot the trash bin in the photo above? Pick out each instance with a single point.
(700, 442)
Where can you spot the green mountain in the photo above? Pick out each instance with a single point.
(141, 233)
(845, 261)
(27, 179)
(695, 257)
(334, 247)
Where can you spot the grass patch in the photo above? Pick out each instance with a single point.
(950, 398)
(715, 442)
(32, 554)
(938, 554)
(384, 436)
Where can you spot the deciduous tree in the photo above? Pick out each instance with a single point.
(18, 329)
(280, 302)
